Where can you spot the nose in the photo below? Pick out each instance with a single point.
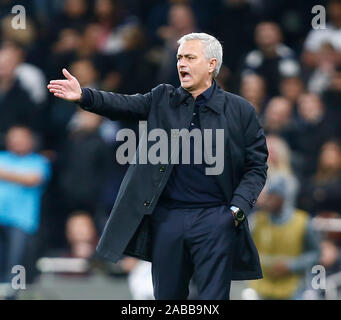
(181, 63)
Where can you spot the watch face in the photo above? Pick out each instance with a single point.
(240, 215)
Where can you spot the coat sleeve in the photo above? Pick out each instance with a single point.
(255, 165)
(116, 106)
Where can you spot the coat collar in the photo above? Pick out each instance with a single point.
(215, 102)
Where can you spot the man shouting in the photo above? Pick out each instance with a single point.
(187, 222)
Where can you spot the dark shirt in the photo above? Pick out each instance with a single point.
(188, 185)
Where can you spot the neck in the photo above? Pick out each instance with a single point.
(195, 92)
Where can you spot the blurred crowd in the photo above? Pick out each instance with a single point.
(58, 174)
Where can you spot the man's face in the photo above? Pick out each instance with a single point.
(274, 203)
(194, 70)
(19, 140)
(267, 35)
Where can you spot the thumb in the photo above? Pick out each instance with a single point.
(67, 74)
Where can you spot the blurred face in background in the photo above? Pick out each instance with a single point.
(104, 9)
(268, 36)
(279, 154)
(19, 140)
(334, 12)
(291, 88)
(181, 19)
(10, 58)
(194, 69)
(85, 72)
(68, 39)
(81, 235)
(253, 90)
(310, 107)
(277, 114)
(330, 157)
(273, 203)
(90, 37)
(80, 228)
(86, 121)
(75, 8)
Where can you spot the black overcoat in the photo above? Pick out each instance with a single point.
(127, 231)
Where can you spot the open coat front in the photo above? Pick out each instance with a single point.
(127, 231)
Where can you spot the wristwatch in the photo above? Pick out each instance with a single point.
(238, 213)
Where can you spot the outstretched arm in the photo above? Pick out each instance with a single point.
(108, 104)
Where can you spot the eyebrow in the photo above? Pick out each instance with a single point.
(185, 55)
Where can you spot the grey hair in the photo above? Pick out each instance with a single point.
(212, 47)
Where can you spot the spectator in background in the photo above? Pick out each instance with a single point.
(132, 60)
(253, 89)
(327, 59)
(330, 256)
(234, 13)
(316, 38)
(321, 194)
(30, 77)
(26, 37)
(15, 103)
(279, 162)
(291, 88)
(272, 59)
(80, 45)
(278, 118)
(73, 17)
(84, 163)
(181, 21)
(29, 38)
(332, 97)
(62, 111)
(110, 17)
(81, 235)
(314, 127)
(287, 243)
(23, 177)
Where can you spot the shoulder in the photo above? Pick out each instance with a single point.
(240, 103)
(163, 88)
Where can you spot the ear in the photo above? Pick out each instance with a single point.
(212, 64)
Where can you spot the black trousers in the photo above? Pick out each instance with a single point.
(196, 243)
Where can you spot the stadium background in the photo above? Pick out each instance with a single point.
(273, 57)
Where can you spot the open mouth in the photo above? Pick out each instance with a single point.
(185, 76)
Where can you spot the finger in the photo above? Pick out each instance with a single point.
(57, 91)
(58, 82)
(59, 87)
(59, 95)
(67, 74)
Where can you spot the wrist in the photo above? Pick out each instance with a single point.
(80, 95)
(238, 214)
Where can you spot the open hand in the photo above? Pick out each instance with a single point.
(68, 89)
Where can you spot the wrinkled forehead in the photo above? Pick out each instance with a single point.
(191, 47)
